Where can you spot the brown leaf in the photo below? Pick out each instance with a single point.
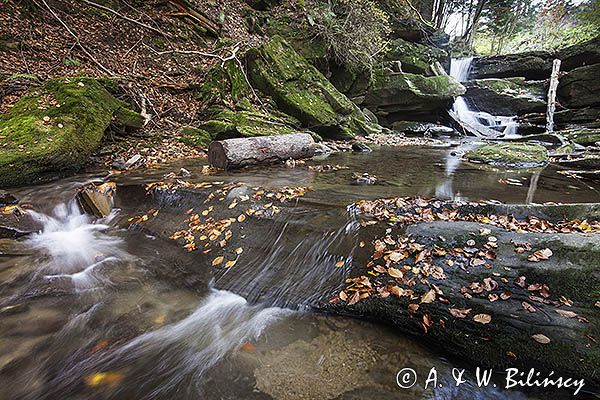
(597, 304)
(397, 291)
(427, 322)
(505, 295)
(543, 339)
(456, 313)
(528, 306)
(428, 297)
(343, 296)
(396, 256)
(482, 318)
(566, 313)
(540, 255)
(230, 264)
(248, 347)
(217, 261)
(339, 264)
(413, 308)
(354, 299)
(492, 297)
(520, 281)
(489, 284)
(395, 273)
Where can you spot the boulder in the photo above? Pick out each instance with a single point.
(579, 55)
(7, 198)
(415, 58)
(404, 94)
(582, 136)
(301, 91)
(534, 65)
(96, 200)
(10, 248)
(472, 294)
(509, 96)
(51, 131)
(579, 88)
(523, 155)
(422, 128)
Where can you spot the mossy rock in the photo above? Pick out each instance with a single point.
(195, 136)
(51, 131)
(583, 136)
(509, 96)
(225, 85)
(228, 124)
(301, 91)
(416, 58)
(404, 93)
(510, 154)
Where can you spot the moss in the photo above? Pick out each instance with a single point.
(510, 154)
(225, 86)
(229, 124)
(583, 136)
(195, 136)
(52, 130)
(415, 57)
(125, 117)
(300, 90)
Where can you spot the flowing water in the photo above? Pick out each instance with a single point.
(109, 309)
(465, 110)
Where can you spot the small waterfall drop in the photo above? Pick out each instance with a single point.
(487, 125)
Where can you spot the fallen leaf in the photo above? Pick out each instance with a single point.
(597, 304)
(456, 313)
(239, 251)
(428, 297)
(395, 273)
(482, 318)
(540, 255)
(505, 295)
(217, 261)
(566, 313)
(543, 339)
(413, 308)
(241, 218)
(354, 299)
(343, 296)
(248, 347)
(103, 378)
(339, 264)
(528, 307)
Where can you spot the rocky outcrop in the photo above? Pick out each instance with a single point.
(510, 96)
(530, 65)
(394, 95)
(52, 131)
(301, 91)
(579, 55)
(580, 87)
(522, 155)
(415, 58)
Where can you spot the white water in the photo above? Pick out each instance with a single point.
(486, 124)
(73, 244)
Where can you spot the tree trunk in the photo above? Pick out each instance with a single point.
(552, 95)
(236, 153)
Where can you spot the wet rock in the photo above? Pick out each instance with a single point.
(403, 94)
(529, 65)
(96, 200)
(510, 154)
(132, 161)
(587, 161)
(583, 136)
(51, 131)
(364, 179)
(7, 198)
(579, 88)
(510, 96)
(581, 54)
(360, 147)
(421, 128)
(10, 247)
(322, 150)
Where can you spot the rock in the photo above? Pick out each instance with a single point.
(322, 150)
(51, 131)
(132, 161)
(364, 179)
(422, 128)
(225, 85)
(96, 200)
(579, 88)
(532, 65)
(10, 247)
(579, 55)
(360, 147)
(195, 136)
(509, 96)
(587, 161)
(568, 274)
(7, 198)
(522, 155)
(582, 136)
(236, 153)
(415, 58)
(301, 91)
(403, 94)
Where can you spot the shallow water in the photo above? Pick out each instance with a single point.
(113, 310)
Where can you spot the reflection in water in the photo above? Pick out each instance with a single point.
(445, 190)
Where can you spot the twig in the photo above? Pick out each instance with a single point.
(125, 17)
(102, 67)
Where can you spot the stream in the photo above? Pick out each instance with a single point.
(111, 309)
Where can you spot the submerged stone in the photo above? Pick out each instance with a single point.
(51, 131)
(510, 154)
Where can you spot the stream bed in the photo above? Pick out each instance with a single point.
(114, 309)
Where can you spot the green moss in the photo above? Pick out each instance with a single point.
(300, 90)
(195, 136)
(125, 117)
(229, 124)
(52, 130)
(510, 154)
(415, 57)
(225, 86)
(583, 136)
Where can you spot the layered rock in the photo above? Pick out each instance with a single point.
(415, 58)
(301, 91)
(530, 65)
(510, 96)
(580, 87)
(52, 131)
(397, 95)
(510, 154)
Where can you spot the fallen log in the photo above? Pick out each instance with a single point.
(236, 153)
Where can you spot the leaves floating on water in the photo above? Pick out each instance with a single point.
(217, 261)
(482, 318)
(456, 313)
(566, 313)
(111, 379)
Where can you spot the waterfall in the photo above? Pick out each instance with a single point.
(485, 124)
